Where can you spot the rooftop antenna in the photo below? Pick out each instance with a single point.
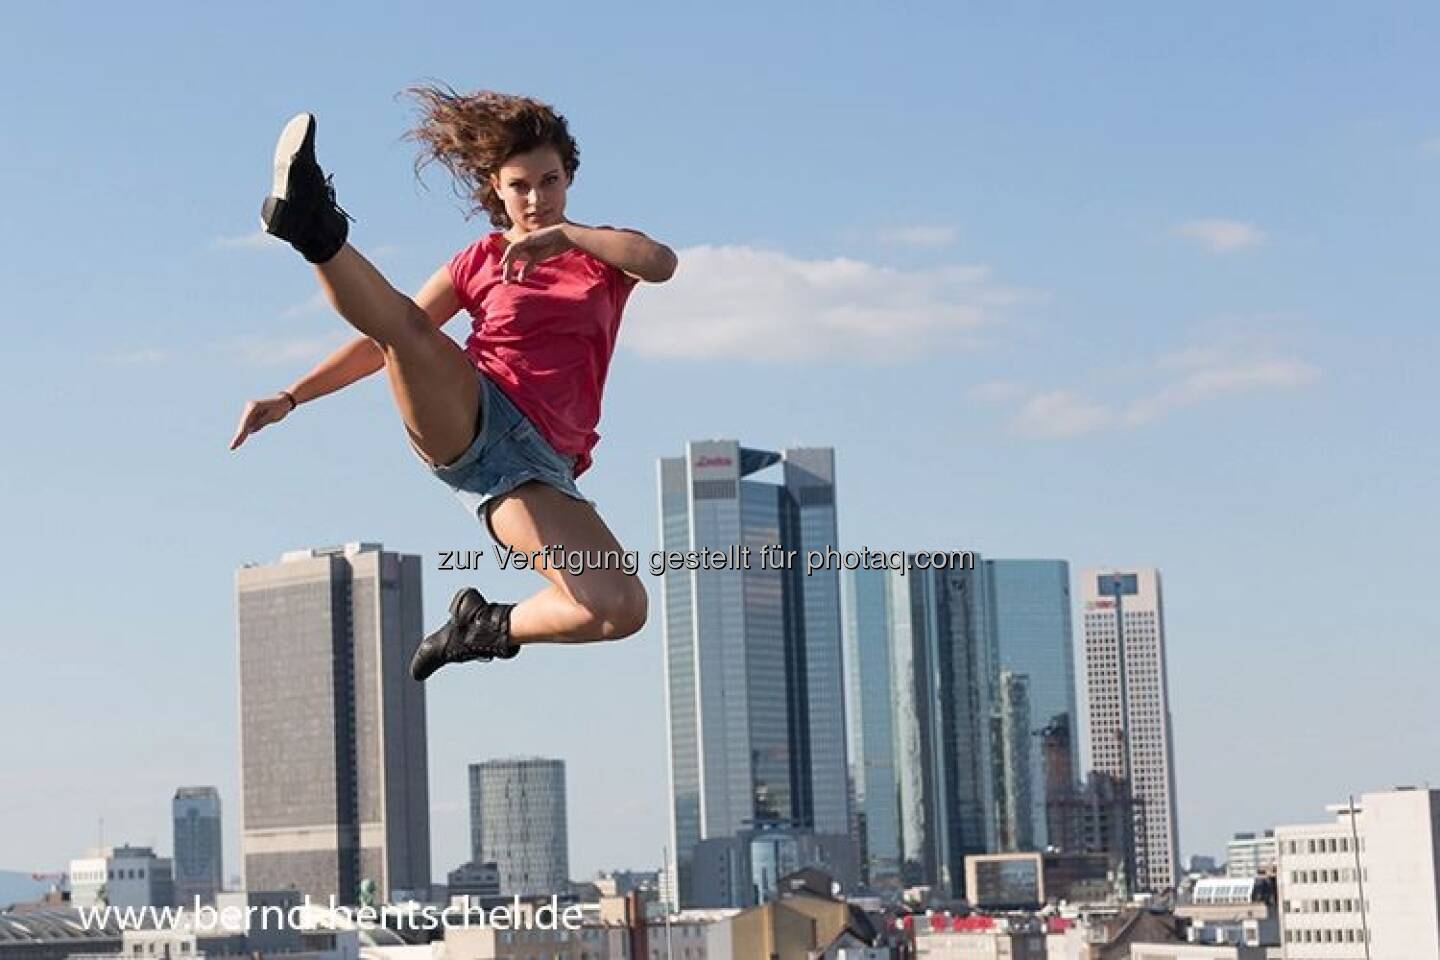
(1359, 875)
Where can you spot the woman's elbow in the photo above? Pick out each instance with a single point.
(664, 266)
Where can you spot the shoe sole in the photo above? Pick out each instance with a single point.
(297, 133)
(293, 138)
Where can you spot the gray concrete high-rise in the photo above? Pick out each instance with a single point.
(754, 687)
(518, 822)
(1128, 699)
(199, 861)
(334, 779)
(1030, 603)
(923, 688)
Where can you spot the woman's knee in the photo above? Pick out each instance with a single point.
(619, 606)
(415, 329)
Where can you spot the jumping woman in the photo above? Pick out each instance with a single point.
(508, 422)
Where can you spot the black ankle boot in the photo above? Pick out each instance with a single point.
(477, 630)
(301, 208)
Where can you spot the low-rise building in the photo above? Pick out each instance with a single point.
(979, 937)
(54, 933)
(1196, 951)
(474, 880)
(1232, 910)
(1368, 875)
(1249, 855)
(123, 876)
(1028, 881)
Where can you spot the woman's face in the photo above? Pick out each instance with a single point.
(532, 186)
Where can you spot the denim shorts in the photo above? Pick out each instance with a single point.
(507, 451)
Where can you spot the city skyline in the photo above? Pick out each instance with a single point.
(1152, 288)
(1100, 593)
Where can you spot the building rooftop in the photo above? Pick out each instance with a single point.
(52, 925)
(1225, 891)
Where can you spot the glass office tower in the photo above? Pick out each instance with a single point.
(1030, 600)
(754, 694)
(924, 688)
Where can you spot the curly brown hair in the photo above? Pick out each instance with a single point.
(473, 134)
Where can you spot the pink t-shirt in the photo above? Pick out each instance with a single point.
(546, 342)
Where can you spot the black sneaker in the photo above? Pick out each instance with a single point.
(301, 208)
(477, 630)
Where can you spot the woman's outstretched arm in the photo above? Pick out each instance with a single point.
(352, 361)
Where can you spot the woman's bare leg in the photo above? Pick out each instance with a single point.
(599, 604)
(433, 382)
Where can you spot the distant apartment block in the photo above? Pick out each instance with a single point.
(1249, 855)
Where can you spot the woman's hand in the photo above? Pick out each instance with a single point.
(260, 413)
(540, 245)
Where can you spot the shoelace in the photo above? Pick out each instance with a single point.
(330, 194)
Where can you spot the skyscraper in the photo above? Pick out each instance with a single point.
(199, 867)
(924, 687)
(517, 822)
(1012, 753)
(753, 689)
(1129, 708)
(1030, 600)
(332, 728)
(870, 686)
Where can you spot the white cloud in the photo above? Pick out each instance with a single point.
(1060, 413)
(916, 236)
(752, 303)
(1221, 236)
(1229, 376)
(259, 240)
(1431, 146)
(268, 351)
(1186, 378)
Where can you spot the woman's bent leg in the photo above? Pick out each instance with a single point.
(603, 603)
(435, 385)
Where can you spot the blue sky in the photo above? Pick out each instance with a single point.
(1129, 285)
